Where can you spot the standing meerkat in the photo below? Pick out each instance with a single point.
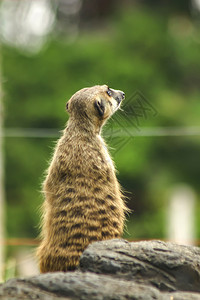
(83, 202)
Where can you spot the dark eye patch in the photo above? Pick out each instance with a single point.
(109, 92)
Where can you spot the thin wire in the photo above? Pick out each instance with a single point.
(122, 132)
(31, 133)
(156, 131)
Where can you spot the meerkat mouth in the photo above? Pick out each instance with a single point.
(117, 103)
(115, 106)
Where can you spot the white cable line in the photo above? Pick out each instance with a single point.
(156, 131)
(114, 132)
(31, 132)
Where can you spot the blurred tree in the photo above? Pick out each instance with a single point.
(179, 6)
(141, 49)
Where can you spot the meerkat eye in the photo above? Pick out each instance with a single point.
(109, 92)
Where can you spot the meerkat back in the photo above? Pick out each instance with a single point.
(83, 202)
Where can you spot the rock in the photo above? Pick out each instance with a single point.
(120, 270)
(83, 286)
(166, 266)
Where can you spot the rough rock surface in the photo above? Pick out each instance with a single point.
(118, 269)
(166, 266)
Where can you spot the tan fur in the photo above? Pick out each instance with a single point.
(83, 202)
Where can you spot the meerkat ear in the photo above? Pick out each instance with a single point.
(100, 106)
(67, 106)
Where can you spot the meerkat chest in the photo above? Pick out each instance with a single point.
(105, 152)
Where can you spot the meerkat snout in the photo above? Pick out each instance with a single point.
(116, 94)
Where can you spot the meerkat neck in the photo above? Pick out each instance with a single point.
(83, 126)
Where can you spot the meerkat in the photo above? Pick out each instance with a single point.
(83, 200)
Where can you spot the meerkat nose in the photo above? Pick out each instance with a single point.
(123, 95)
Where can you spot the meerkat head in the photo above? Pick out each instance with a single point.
(95, 104)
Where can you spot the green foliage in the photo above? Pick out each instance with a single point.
(138, 52)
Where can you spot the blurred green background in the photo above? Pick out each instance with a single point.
(148, 46)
